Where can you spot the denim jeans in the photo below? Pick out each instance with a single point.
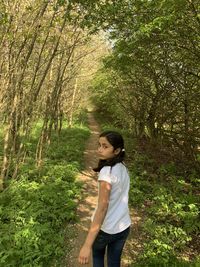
(113, 243)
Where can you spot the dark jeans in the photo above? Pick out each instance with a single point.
(114, 244)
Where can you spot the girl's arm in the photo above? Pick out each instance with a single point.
(103, 201)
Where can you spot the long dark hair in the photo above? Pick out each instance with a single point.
(116, 140)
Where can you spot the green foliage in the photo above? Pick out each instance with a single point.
(149, 85)
(170, 204)
(164, 241)
(61, 148)
(173, 262)
(172, 212)
(153, 43)
(32, 214)
(36, 208)
(81, 119)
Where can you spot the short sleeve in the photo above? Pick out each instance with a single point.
(105, 174)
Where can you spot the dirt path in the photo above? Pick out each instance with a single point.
(87, 205)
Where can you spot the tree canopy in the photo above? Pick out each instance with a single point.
(154, 67)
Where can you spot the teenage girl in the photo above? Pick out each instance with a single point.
(111, 221)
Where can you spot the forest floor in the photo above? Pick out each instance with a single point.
(87, 204)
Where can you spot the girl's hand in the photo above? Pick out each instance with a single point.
(84, 255)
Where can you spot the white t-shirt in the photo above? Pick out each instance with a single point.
(117, 218)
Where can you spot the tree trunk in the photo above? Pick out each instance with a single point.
(5, 158)
(72, 104)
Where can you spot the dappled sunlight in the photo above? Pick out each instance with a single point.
(135, 241)
(89, 194)
(88, 173)
(88, 203)
(95, 132)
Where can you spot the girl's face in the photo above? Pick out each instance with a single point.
(106, 150)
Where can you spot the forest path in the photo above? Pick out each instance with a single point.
(88, 202)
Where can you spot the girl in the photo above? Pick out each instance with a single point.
(111, 221)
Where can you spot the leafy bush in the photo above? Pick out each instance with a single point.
(172, 213)
(32, 213)
(170, 204)
(36, 208)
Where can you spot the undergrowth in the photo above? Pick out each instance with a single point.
(37, 207)
(168, 198)
(171, 208)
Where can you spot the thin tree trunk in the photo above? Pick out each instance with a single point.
(41, 143)
(72, 104)
(5, 159)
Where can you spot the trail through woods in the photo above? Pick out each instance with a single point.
(88, 202)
